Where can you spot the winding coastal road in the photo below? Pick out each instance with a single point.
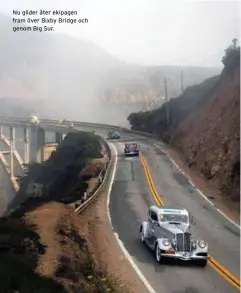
(153, 179)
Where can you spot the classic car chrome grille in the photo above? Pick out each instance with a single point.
(183, 242)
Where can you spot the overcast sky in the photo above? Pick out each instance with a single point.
(150, 32)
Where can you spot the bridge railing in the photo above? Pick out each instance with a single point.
(21, 122)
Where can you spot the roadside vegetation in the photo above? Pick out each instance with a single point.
(56, 176)
(41, 244)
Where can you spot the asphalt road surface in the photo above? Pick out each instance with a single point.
(129, 203)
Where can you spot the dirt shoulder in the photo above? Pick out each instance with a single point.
(212, 192)
(106, 252)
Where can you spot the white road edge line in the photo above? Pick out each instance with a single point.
(120, 243)
(199, 191)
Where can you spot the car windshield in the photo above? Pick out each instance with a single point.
(173, 218)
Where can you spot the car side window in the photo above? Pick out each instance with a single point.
(154, 216)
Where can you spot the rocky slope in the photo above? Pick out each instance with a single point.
(211, 139)
(205, 126)
(57, 75)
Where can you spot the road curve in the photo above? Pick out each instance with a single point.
(129, 201)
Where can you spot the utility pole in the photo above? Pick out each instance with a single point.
(167, 106)
(182, 80)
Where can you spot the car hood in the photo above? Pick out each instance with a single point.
(174, 229)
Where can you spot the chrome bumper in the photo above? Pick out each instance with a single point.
(184, 256)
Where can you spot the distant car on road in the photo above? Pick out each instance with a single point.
(167, 233)
(113, 134)
(71, 125)
(131, 149)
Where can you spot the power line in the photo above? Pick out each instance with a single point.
(182, 80)
(167, 104)
(160, 95)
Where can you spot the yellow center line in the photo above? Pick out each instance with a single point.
(228, 276)
(224, 272)
(150, 182)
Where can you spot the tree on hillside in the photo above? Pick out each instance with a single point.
(231, 53)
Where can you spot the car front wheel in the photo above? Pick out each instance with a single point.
(158, 254)
(142, 234)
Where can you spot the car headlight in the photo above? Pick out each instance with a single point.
(202, 244)
(166, 242)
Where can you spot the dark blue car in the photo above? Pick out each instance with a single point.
(131, 149)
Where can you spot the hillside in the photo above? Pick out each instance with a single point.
(211, 139)
(205, 126)
(58, 75)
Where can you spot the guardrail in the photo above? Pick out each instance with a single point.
(102, 179)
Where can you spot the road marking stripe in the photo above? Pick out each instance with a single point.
(120, 243)
(198, 190)
(228, 276)
(224, 270)
(211, 264)
(150, 181)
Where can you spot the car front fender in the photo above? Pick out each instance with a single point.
(145, 228)
(159, 241)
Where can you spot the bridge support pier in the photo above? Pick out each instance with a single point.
(40, 145)
(37, 142)
(12, 149)
(26, 145)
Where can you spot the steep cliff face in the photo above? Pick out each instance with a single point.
(205, 125)
(210, 140)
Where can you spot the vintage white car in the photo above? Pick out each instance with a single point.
(168, 233)
(34, 120)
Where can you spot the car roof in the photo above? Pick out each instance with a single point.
(169, 210)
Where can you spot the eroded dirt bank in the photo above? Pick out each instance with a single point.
(52, 249)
